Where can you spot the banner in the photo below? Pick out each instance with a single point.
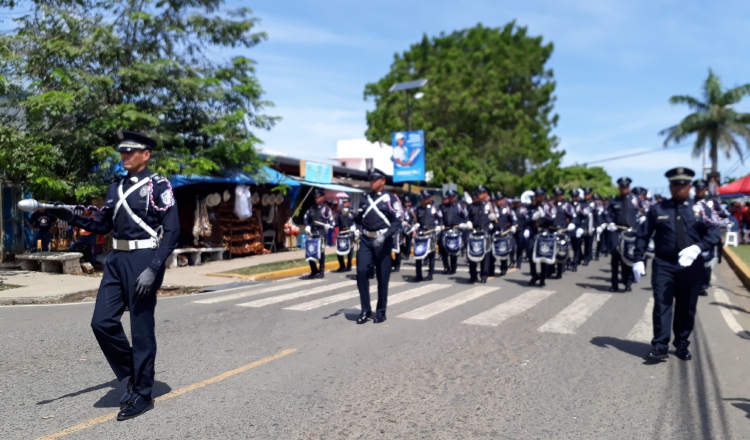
(408, 156)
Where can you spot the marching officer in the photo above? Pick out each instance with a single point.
(378, 220)
(318, 220)
(506, 223)
(409, 218)
(681, 232)
(565, 219)
(590, 225)
(623, 210)
(141, 214)
(481, 217)
(404, 234)
(712, 212)
(345, 221)
(429, 218)
(523, 217)
(577, 237)
(453, 215)
(543, 217)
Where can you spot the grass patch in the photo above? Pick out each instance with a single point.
(743, 251)
(272, 267)
(7, 286)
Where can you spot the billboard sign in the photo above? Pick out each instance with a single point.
(408, 156)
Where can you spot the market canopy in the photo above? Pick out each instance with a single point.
(266, 176)
(738, 188)
(330, 186)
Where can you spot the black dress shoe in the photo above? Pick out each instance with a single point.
(312, 276)
(379, 317)
(628, 289)
(574, 269)
(429, 278)
(418, 279)
(658, 355)
(684, 354)
(585, 263)
(473, 280)
(320, 275)
(136, 407)
(363, 317)
(533, 281)
(128, 396)
(396, 269)
(542, 283)
(703, 293)
(341, 269)
(614, 289)
(483, 280)
(503, 273)
(452, 272)
(558, 276)
(446, 271)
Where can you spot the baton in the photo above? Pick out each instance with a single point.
(321, 223)
(31, 205)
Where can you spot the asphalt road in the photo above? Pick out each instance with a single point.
(285, 360)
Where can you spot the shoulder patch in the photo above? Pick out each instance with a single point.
(167, 198)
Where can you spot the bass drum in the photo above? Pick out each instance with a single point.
(563, 247)
(502, 246)
(545, 248)
(423, 245)
(476, 247)
(626, 246)
(452, 241)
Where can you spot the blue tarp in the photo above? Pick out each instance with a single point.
(267, 176)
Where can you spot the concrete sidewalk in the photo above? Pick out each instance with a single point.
(40, 286)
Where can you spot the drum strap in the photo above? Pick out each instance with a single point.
(374, 206)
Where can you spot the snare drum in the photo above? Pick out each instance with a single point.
(452, 241)
(477, 246)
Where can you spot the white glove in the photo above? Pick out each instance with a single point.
(638, 271)
(537, 215)
(308, 231)
(599, 229)
(641, 219)
(327, 226)
(579, 233)
(612, 227)
(357, 233)
(512, 229)
(438, 229)
(492, 226)
(526, 233)
(688, 255)
(492, 217)
(469, 225)
(571, 227)
(415, 228)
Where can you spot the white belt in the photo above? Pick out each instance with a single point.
(132, 245)
(373, 234)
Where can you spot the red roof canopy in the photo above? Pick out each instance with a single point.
(738, 187)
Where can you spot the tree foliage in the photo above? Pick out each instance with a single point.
(487, 109)
(714, 122)
(79, 70)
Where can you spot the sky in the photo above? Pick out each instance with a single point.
(616, 63)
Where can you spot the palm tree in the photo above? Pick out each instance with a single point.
(715, 123)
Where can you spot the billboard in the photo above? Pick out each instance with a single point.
(408, 156)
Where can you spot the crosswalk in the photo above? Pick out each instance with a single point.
(573, 310)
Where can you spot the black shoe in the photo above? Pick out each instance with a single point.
(313, 275)
(446, 271)
(452, 272)
(533, 281)
(379, 317)
(396, 269)
(136, 407)
(658, 355)
(128, 396)
(542, 283)
(429, 278)
(320, 275)
(418, 279)
(703, 293)
(341, 269)
(363, 317)
(614, 289)
(348, 269)
(628, 289)
(585, 263)
(473, 280)
(503, 272)
(684, 354)
(483, 280)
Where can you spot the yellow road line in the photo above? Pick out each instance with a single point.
(181, 391)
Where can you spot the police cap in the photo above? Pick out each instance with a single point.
(573, 193)
(407, 199)
(700, 184)
(540, 191)
(559, 191)
(375, 174)
(344, 199)
(132, 141)
(624, 182)
(680, 176)
(499, 195)
(597, 197)
(588, 190)
(319, 193)
(451, 193)
(424, 194)
(482, 189)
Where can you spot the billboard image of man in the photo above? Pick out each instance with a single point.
(402, 156)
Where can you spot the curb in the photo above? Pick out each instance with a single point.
(740, 268)
(285, 273)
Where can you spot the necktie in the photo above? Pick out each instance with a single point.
(679, 226)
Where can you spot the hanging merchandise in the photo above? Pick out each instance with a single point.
(242, 197)
(202, 226)
(279, 199)
(264, 199)
(256, 198)
(213, 200)
(227, 195)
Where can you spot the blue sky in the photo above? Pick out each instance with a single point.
(615, 62)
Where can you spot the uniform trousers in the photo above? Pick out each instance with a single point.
(380, 260)
(617, 264)
(484, 267)
(117, 291)
(676, 290)
(588, 247)
(575, 243)
(348, 259)
(541, 274)
(321, 265)
(430, 264)
(520, 248)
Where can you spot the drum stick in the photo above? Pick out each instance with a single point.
(321, 223)
(624, 228)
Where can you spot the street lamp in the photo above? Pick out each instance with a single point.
(408, 86)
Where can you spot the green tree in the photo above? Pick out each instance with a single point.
(714, 123)
(80, 70)
(486, 110)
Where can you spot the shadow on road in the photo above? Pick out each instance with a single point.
(740, 403)
(598, 287)
(637, 349)
(729, 306)
(112, 398)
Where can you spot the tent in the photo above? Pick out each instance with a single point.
(738, 188)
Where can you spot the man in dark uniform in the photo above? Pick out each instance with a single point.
(403, 237)
(577, 211)
(543, 215)
(623, 210)
(345, 221)
(505, 222)
(712, 212)
(378, 220)
(480, 219)
(318, 220)
(454, 215)
(605, 243)
(141, 214)
(42, 222)
(523, 217)
(410, 219)
(589, 223)
(564, 221)
(429, 218)
(681, 234)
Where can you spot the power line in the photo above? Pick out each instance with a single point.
(641, 153)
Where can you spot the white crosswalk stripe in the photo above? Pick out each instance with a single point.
(295, 295)
(496, 315)
(407, 295)
(251, 291)
(443, 305)
(643, 331)
(573, 316)
(310, 305)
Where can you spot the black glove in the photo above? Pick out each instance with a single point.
(144, 283)
(62, 212)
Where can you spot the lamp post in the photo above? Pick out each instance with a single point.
(406, 86)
